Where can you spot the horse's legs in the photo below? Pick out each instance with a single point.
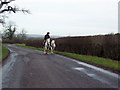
(51, 50)
(47, 50)
(44, 50)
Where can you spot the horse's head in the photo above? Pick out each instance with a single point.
(53, 41)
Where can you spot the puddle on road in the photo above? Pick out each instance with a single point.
(91, 66)
(80, 69)
(98, 69)
(94, 76)
(91, 75)
(94, 67)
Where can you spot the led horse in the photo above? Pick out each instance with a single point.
(52, 45)
(49, 45)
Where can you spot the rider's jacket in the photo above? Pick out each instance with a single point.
(46, 36)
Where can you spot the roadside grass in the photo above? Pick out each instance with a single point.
(5, 52)
(103, 62)
(108, 63)
(23, 45)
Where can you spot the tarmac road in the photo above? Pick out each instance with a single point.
(28, 68)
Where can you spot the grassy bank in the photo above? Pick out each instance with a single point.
(5, 52)
(103, 62)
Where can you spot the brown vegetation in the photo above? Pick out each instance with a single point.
(100, 45)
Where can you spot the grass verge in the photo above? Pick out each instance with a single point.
(5, 52)
(99, 61)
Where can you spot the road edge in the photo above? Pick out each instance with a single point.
(105, 68)
(4, 60)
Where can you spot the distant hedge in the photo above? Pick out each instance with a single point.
(102, 45)
(107, 46)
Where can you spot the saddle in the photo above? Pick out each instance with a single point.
(48, 44)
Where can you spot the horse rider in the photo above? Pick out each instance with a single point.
(46, 37)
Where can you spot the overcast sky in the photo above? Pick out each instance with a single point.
(68, 17)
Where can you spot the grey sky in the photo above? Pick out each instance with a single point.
(68, 17)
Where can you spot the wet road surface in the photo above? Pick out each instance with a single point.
(28, 68)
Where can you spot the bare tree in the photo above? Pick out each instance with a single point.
(10, 8)
(5, 7)
(9, 32)
(22, 35)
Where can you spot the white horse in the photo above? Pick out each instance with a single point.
(49, 45)
(52, 45)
